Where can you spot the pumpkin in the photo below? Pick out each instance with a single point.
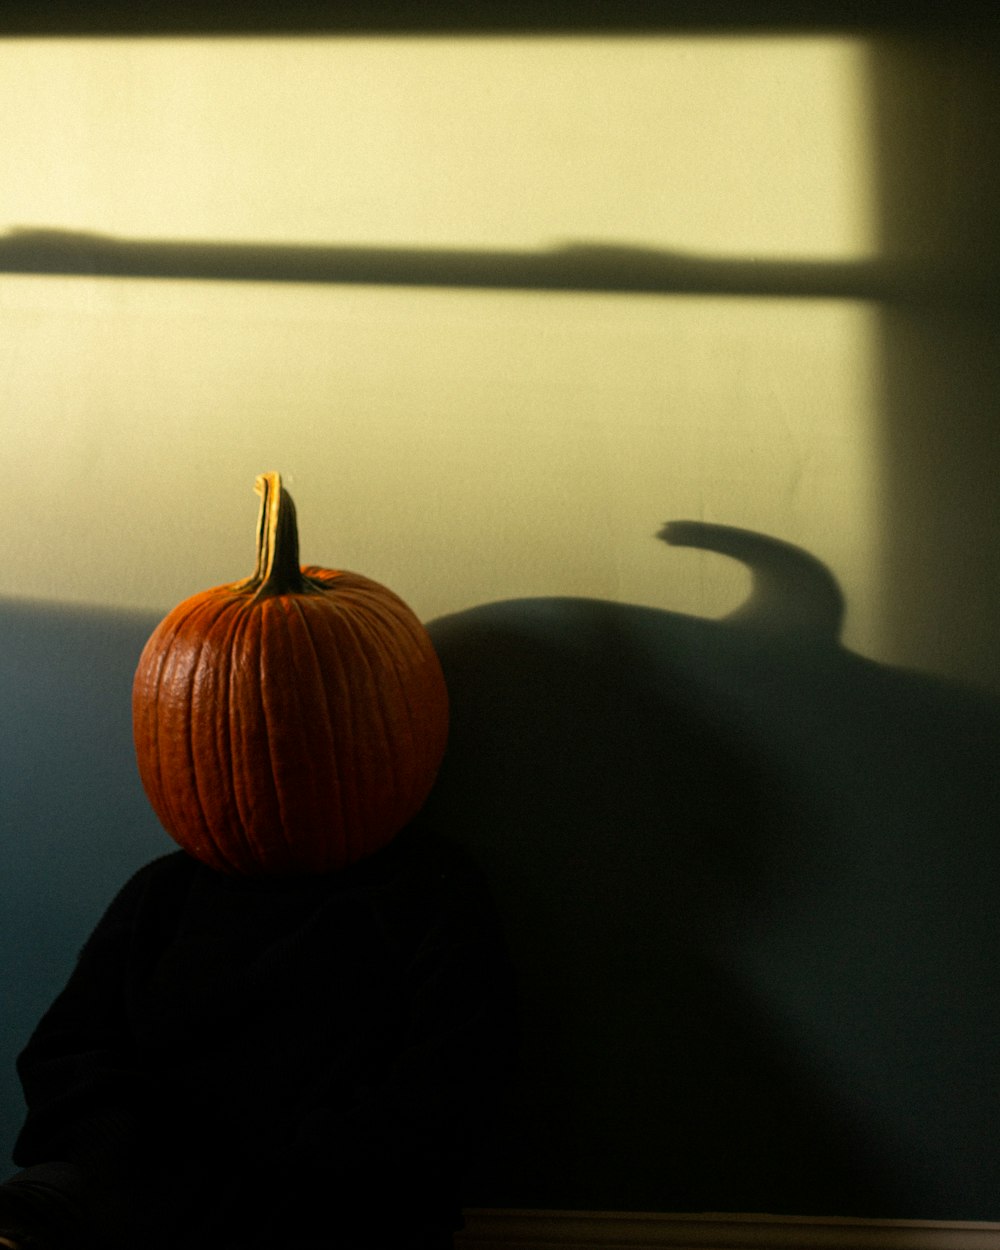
(290, 723)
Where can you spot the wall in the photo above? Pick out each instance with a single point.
(462, 445)
(746, 859)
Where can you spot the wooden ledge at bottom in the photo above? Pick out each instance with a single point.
(625, 1230)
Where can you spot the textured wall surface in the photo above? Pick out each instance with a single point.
(736, 790)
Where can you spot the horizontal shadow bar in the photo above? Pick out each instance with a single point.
(583, 267)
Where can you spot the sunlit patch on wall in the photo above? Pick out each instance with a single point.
(749, 147)
(465, 445)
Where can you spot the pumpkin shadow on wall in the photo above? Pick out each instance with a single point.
(748, 881)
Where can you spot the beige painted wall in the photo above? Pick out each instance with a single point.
(462, 446)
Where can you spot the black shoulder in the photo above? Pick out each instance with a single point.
(160, 873)
(153, 888)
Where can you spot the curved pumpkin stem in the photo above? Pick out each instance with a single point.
(277, 570)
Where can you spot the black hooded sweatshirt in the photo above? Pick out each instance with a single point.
(246, 1063)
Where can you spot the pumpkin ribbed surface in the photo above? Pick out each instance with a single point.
(291, 723)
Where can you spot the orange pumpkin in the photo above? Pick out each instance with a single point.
(290, 723)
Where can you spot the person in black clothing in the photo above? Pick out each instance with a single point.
(241, 1062)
